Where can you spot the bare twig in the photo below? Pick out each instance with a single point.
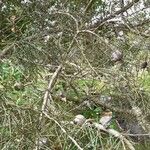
(86, 103)
(85, 58)
(69, 15)
(100, 38)
(47, 96)
(64, 131)
(115, 134)
(50, 86)
(88, 6)
(127, 134)
(140, 118)
(135, 111)
(109, 106)
(5, 51)
(124, 9)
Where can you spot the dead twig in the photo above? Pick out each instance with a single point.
(88, 6)
(109, 106)
(48, 97)
(6, 51)
(50, 86)
(115, 134)
(140, 118)
(64, 131)
(71, 16)
(98, 24)
(127, 134)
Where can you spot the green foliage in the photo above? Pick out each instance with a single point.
(10, 72)
(82, 84)
(36, 37)
(93, 113)
(144, 80)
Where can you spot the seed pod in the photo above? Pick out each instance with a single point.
(61, 95)
(18, 86)
(116, 56)
(79, 120)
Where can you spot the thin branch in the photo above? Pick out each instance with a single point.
(125, 134)
(88, 6)
(64, 131)
(100, 38)
(135, 111)
(124, 9)
(5, 51)
(69, 15)
(85, 58)
(140, 118)
(50, 86)
(115, 134)
(109, 106)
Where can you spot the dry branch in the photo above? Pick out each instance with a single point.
(140, 118)
(115, 134)
(135, 112)
(50, 86)
(124, 9)
(109, 106)
(64, 131)
(6, 51)
(89, 6)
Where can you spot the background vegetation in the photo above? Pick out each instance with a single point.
(58, 60)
